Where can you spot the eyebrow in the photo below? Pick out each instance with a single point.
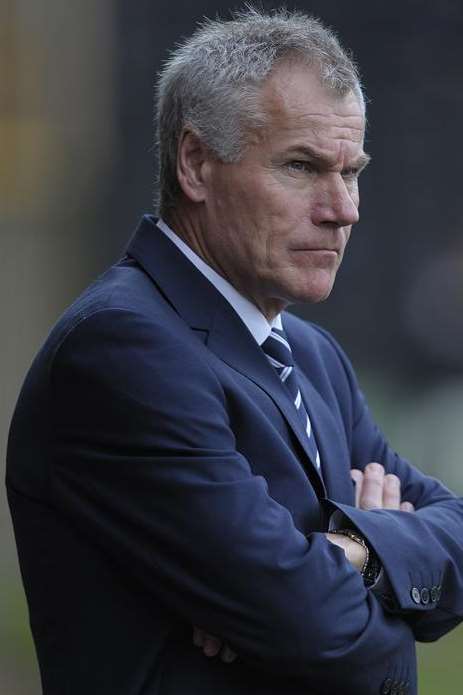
(359, 163)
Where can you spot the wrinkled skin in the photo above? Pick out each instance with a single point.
(276, 223)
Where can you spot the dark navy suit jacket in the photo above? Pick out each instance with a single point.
(159, 478)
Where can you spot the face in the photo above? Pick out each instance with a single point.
(276, 223)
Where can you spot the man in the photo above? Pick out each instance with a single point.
(182, 454)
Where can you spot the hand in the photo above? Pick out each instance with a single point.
(212, 645)
(376, 490)
(373, 490)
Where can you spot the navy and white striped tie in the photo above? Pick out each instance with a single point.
(279, 354)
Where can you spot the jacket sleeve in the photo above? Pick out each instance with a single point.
(421, 552)
(146, 465)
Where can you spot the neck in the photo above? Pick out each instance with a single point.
(188, 226)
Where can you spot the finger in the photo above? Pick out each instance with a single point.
(212, 645)
(391, 492)
(357, 477)
(227, 655)
(407, 507)
(198, 637)
(371, 496)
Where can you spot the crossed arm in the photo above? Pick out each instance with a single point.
(130, 468)
(374, 489)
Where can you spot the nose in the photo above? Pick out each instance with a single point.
(336, 202)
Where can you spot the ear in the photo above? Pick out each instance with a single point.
(192, 157)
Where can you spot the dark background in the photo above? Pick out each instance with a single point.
(77, 170)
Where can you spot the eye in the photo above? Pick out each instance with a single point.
(300, 166)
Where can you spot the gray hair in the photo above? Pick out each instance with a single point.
(211, 83)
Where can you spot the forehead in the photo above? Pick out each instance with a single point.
(297, 106)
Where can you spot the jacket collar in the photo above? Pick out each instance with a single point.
(186, 289)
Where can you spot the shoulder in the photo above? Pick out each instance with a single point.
(123, 287)
(138, 356)
(120, 325)
(122, 299)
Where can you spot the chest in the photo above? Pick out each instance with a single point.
(268, 436)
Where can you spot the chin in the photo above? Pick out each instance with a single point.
(310, 290)
(316, 298)
(315, 292)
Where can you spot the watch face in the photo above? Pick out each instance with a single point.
(372, 570)
(372, 567)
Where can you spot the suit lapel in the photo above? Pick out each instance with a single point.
(335, 462)
(205, 309)
(235, 346)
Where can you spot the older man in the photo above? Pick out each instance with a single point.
(182, 453)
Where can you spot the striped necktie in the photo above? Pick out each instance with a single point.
(279, 354)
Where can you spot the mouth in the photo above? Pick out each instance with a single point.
(334, 252)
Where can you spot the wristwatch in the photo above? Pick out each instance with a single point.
(372, 566)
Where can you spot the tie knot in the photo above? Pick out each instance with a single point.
(277, 349)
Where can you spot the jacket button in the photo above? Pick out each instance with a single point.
(424, 596)
(415, 594)
(434, 594)
(387, 685)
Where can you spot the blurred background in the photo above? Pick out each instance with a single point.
(77, 170)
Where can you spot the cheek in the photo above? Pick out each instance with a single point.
(284, 214)
(261, 217)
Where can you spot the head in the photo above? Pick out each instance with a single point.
(260, 134)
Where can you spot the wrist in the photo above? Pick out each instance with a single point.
(361, 556)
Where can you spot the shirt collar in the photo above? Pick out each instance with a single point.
(254, 319)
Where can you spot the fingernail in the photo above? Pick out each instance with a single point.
(374, 467)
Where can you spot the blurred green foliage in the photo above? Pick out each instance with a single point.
(441, 665)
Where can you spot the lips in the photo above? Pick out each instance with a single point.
(318, 250)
